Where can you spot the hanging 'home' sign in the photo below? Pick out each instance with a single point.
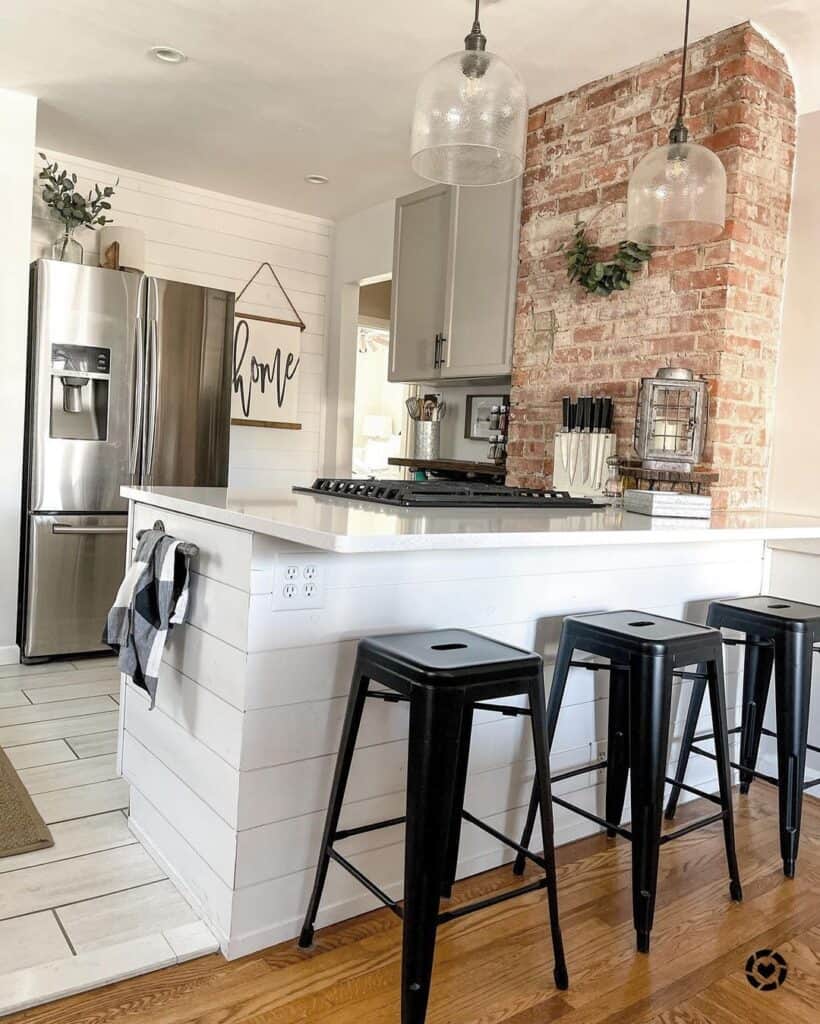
(266, 357)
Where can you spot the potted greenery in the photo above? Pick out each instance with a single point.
(72, 208)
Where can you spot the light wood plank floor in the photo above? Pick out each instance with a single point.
(94, 907)
(495, 966)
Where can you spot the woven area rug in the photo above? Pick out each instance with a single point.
(21, 827)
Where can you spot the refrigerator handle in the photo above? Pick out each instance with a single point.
(86, 530)
(151, 425)
(139, 399)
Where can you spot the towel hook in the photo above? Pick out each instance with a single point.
(191, 550)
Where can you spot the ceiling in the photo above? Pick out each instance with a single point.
(275, 90)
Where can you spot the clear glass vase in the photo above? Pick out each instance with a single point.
(67, 249)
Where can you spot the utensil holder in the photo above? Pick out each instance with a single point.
(427, 441)
(580, 462)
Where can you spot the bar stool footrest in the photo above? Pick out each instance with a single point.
(490, 901)
(692, 827)
(741, 768)
(365, 881)
(693, 789)
(592, 817)
(346, 833)
(471, 818)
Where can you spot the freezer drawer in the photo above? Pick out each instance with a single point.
(74, 567)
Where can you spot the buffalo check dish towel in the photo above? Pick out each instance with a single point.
(152, 599)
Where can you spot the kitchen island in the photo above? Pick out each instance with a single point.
(230, 773)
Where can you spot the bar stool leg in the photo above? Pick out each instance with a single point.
(717, 701)
(435, 721)
(559, 684)
(757, 676)
(542, 780)
(688, 738)
(792, 690)
(617, 752)
(651, 694)
(454, 838)
(353, 717)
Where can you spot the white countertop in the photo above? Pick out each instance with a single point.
(334, 524)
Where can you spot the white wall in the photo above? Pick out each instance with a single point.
(363, 250)
(18, 118)
(217, 240)
(794, 484)
(454, 445)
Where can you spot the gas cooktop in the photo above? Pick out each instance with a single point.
(443, 494)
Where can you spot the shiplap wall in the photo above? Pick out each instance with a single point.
(217, 240)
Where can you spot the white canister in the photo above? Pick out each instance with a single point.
(132, 245)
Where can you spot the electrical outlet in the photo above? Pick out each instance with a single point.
(298, 583)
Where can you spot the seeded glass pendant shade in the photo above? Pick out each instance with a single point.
(677, 193)
(470, 119)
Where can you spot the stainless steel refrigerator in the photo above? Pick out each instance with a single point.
(128, 382)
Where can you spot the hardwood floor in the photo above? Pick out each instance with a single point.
(495, 966)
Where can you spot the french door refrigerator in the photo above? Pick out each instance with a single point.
(128, 382)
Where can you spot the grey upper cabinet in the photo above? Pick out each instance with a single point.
(454, 281)
(420, 282)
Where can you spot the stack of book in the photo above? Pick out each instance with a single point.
(668, 503)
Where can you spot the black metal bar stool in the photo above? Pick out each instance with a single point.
(645, 653)
(444, 675)
(778, 633)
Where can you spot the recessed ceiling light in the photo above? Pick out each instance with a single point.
(316, 179)
(167, 55)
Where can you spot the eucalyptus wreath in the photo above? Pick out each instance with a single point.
(602, 277)
(61, 196)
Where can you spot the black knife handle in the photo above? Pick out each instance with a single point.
(607, 414)
(587, 424)
(566, 405)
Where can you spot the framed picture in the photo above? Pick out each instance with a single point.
(479, 421)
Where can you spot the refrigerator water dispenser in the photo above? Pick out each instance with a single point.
(80, 378)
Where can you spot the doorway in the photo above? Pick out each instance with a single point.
(379, 411)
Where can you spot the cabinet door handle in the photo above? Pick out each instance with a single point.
(438, 358)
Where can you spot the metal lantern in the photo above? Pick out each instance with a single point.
(670, 423)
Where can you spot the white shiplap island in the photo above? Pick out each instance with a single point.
(230, 773)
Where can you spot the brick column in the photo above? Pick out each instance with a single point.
(712, 308)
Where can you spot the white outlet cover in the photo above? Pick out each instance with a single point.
(298, 584)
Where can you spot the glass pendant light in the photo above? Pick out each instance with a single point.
(470, 121)
(677, 193)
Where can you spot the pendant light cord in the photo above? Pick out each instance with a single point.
(679, 133)
(476, 40)
(683, 68)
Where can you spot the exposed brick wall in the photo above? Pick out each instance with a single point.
(713, 308)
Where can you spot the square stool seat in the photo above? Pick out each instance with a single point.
(771, 613)
(638, 631)
(447, 657)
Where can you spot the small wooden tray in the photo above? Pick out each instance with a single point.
(696, 480)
